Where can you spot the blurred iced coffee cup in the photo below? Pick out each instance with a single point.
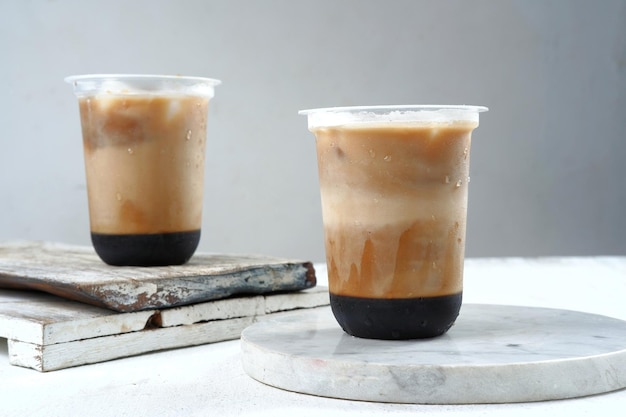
(144, 144)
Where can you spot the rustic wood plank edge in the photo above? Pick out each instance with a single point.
(89, 351)
(171, 328)
(75, 272)
(45, 319)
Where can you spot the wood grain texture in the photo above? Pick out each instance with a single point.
(76, 273)
(46, 332)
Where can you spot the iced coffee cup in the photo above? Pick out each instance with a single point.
(393, 184)
(144, 144)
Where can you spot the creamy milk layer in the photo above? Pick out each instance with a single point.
(144, 160)
(394, 202)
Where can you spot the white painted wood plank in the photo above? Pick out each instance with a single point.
(82, 352)
(46, 332)
(213, 310)
(314, 297)
(20, 329)
(244, 306)
(40, 318)
(45, 319)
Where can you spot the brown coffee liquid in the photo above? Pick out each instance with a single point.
(396, 319)
(394, 201)
(144, 160)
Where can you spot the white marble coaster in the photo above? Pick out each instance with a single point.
(493, 354)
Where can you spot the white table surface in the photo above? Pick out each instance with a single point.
(209, 380)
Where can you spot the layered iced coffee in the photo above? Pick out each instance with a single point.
(394, 204)
(144, 161)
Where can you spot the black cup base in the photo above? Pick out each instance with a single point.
(159, 249)
(396, 319)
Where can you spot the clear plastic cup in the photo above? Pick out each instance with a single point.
(394, 183)
(144, 145)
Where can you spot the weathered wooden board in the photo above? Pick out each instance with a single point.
(46, 332)
(76, 273)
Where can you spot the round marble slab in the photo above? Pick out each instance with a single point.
(493, 354)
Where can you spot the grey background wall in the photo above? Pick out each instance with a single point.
(547, 161)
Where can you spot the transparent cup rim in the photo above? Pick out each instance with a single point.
(386, 114)
(390, 108)
(89, 85)
(120, 77)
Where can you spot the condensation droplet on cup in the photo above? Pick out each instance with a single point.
(118, 196)
(447, 180)
(459, 183)
(131, 151)
(434, 265)
(432, 216)
(188, 137)
(468, 180)
(465, 153)
(387, 158)
(372, 153)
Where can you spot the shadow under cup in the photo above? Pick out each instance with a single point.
(393, 185)
(144, 144)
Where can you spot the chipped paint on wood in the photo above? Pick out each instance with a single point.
(46, 332)
(76, 273)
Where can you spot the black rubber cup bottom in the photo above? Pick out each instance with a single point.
(389, 319)
(157, 249)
